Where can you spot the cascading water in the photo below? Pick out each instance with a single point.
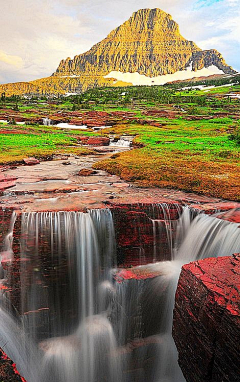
(65, 262)
(77, 323)
(121, 143)
(47, 121)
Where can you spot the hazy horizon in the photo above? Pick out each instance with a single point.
(35, 36)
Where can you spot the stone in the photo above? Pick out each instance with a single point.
(8, 370)
(87, 172)
(207, 314)
(98, 141)
(31, 161)
(6, 181)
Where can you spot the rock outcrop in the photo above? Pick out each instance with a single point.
(149, 43)
(206, 325)
(8, 370)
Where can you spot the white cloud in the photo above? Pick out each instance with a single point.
(11, 60)
(36, 35)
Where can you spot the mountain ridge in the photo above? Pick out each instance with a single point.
(148, 43)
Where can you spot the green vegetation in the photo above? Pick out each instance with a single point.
(187, 139)
(15, 147)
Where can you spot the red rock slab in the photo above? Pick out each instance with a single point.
(98, 141)
(8, 370)
(212, 208)
(7, 184)
(31, 161)
(45, 187)
(94, 122)
(97, 113)
(6, 181)
(87, 172)
(75, 121)
(120, 185)
(5, 131)
(83, 139)
(138, 273)
(206, 325)
(231, 216)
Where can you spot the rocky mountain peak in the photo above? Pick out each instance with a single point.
(148, 44)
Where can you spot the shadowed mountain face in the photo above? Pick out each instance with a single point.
(149, 43)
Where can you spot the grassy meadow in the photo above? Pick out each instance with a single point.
(186, 139)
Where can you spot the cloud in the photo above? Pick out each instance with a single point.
(11, 60)
(36, 35)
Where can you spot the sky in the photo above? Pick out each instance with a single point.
(36, 34)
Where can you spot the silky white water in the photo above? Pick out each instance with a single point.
(75, 323)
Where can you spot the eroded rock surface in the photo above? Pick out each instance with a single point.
(206, 325)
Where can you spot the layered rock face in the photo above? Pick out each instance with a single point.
(149, 43)
(206, 325)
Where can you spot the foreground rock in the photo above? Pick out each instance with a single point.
(30, 161)
(8, 371)
(206, 325)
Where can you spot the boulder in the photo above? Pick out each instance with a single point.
(8, 370)
(30, 161)
(87, 172)
(206, 324)
(98, 141)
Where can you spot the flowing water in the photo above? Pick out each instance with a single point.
(121, 143)
(72, 322)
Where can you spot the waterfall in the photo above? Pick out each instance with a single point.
(121, 143)
(75, 322)
(47, 121)
(205, 236)
(65, 294)
(6, 255)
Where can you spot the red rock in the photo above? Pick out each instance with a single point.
(98, 141)
(5, 131)
(83, 139)
(231, 216)
(7, 184)
(135, 236)
(87, 172)
(94, 122)
(31, 161)
(75, 121)
(9, 372)
(206, 325)
(212, 208)
(139, 273)
(6, 181)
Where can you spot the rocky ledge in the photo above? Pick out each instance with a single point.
(206, 325)
(8, 370)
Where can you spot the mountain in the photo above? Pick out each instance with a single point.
(148, 47)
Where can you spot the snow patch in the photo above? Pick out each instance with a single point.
(64, 125)
(141, 79)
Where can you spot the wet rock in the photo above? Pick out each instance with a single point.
(76, 121)
(8, 370)
(231, 216)
(98, 141)
(6, 181)
(135, 233)
(31, 161)
(87, 172)
(83, 139)
(207, 314)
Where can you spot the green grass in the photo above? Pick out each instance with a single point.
(15, 147)
(193, 155)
